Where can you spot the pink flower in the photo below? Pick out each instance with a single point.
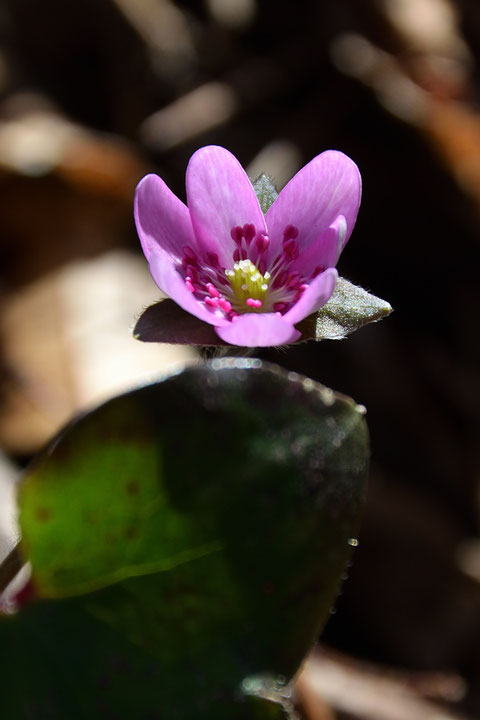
(252, 276)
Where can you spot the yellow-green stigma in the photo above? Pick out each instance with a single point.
(248, 285)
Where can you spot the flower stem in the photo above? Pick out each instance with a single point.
(10, 567)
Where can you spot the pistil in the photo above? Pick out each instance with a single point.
(248, 285)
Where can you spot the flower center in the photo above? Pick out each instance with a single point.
(248, 285)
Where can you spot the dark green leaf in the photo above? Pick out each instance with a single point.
(202, 522)
(58, 661)
(167, 322)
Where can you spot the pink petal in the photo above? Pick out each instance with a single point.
(324, 251)
(315, 296)
(329, 186)
(172, 284)
(258, 330)
(162, 220)
(220, 197)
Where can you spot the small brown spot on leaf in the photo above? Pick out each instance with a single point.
(92, 517)
(132, 488)
(43, 514)
(131, 533)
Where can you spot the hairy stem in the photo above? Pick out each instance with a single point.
(208, 352)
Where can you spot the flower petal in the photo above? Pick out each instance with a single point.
(315, 296)
(172, 284)
(258, 330)
(329, 186)
(324, 251)
(220, 197)
(162, 220)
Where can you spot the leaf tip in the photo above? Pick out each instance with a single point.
(265, 191)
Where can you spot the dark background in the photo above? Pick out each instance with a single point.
(95, 93)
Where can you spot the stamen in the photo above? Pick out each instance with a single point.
(212, 259)
(290, 232)
(236, 234)
(247, 285)
(211, 302)
(248, 233)
(292, 280)
(224, 305)
(212, 290)
(261, 244)
(221, 279)
(190, 255)
(280, 279)
(290, 249)
(319, 269)
(191, 272)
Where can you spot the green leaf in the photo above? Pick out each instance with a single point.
(265, 191)
(196, 529)
(58, 661)
(167, 322)
(350, 308)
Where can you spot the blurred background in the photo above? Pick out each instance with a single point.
(94, 94)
